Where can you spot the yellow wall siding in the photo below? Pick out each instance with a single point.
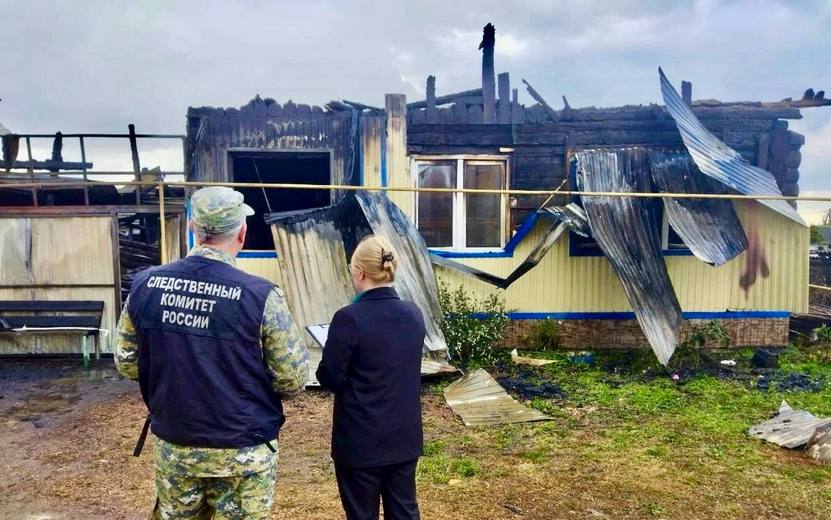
(588, 284)
(73, 252)
(398, 164)
(267, 268)
(373, 128)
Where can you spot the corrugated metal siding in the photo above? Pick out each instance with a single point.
(588, 284)
(73, 251)
(268, 268)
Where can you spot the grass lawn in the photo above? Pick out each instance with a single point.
(628, 441)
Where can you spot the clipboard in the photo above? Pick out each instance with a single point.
(319, 333)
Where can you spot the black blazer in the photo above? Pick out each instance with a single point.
(372, 361)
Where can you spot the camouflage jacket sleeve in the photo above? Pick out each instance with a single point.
(126, 345)
(284, 350)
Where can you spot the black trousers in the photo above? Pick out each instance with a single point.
(361, 488)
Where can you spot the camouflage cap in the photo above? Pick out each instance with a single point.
(218, 209)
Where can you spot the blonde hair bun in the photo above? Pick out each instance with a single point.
(377, 258)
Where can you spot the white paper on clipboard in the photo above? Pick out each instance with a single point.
(319, 333)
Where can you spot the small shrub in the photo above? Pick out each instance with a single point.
(822, 339)
(433, 448)
(543, 335)
(688, 353)
(713, 331)
(472, 326)
(464, 467)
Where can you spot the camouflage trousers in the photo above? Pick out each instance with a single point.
(181, 494)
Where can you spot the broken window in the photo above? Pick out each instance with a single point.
(462, 220)
(278, 167)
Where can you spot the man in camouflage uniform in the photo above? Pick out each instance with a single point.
(214, 350)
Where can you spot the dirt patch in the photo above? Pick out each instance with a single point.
(78, 463)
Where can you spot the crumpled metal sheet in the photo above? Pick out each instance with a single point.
(573, 216)
(709, 227)
(480, 401)
(819, 447)
(415, 280)
(791, 428)
(626, 228)
(719, 161)
(313, 249)
(534, 257)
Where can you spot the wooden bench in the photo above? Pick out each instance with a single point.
(81, 317)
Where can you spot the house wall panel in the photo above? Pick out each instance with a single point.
(561, 283)
(73, 253)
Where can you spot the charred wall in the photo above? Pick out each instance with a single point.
(540, 143)
(264, 125)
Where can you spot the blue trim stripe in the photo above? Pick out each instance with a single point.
(726, 315)
(257, 254)
(191, 241)
(507, 251)
(384, 158)
(677, 252)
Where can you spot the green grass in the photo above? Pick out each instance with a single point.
(626, 418)
(626, 411)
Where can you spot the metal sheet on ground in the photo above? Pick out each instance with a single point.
(788, 427)
(480, 401)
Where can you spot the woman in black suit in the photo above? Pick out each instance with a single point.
(372, 361)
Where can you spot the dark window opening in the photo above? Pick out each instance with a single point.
(279, 167)
(674, 240)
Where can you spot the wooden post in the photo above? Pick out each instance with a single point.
(32, 170)
(57, 151)
(686, 92)
(431, 114)
(162, 227)
(504, 110)
(84, 168)
(136, 165)
(488, 83)
(517, 112)
(398, 166)
(116, 262)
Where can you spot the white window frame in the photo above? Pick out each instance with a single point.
(459, 213)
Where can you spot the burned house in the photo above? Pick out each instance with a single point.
(740, 262)
(613, 271)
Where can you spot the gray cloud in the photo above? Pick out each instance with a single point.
(99, 65)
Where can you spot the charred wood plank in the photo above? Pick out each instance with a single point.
(488, 83)
(431, 115)
(539, 99)
(504, 106)
(446, 99)
(517, 110)
(52, 166)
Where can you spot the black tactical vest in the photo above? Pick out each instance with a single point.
(201, 367)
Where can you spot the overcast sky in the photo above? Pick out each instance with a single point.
(95, 66)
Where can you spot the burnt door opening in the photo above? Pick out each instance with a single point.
(279, 167)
